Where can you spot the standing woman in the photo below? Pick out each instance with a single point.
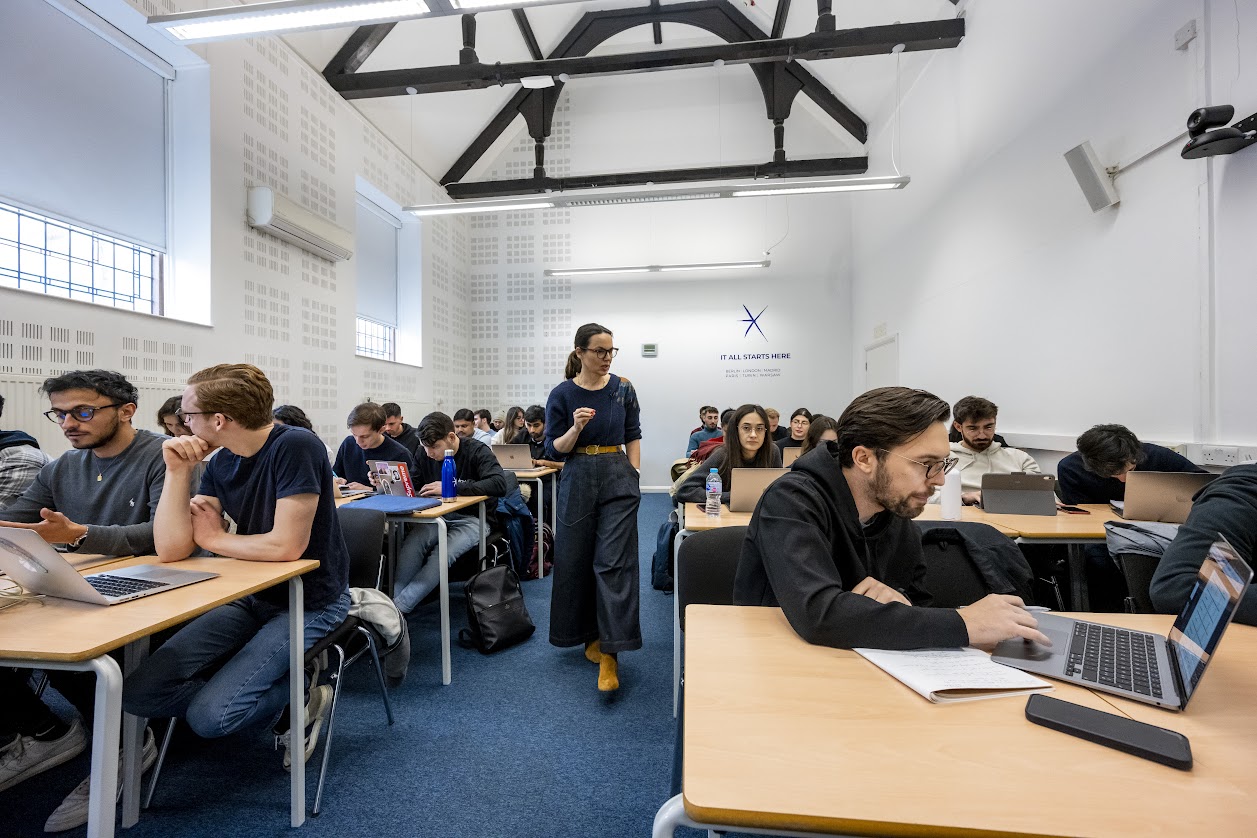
(592, 420)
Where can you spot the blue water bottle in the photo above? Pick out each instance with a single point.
(713, 494)
(448, 478)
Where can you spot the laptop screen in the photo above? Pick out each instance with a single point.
(1222, 580)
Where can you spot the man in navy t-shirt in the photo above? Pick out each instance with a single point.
(266, 496)
(367, 441)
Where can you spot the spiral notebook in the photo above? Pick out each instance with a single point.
(949, 675)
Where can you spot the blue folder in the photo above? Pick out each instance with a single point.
(396, 504)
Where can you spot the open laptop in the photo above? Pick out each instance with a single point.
(392, 477)
(747, 484)
(36, 566)
(1133, 664)
(1160, 495)
(789, 455)
(514, 457)
(1019, 493)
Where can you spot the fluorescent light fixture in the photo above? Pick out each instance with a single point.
(652, 194)
(537, 82)
(657, 269)
(466, 5)
(283, 16)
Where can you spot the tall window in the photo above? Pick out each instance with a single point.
(63, 260)
(376, 255)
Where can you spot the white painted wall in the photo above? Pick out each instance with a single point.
(997, 276)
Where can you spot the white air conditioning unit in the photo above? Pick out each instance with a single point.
(293, 223)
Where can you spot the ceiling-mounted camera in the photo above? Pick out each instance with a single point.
(1205, 142)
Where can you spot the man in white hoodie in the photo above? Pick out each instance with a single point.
(979, 451)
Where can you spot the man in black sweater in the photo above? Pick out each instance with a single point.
(832, 542)
(395, 426)
(1228, 506)
(478, 473)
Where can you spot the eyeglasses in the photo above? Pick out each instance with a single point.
(759, 429)
(933, 469)
(184, 414)
(604, 354)
(82, 413)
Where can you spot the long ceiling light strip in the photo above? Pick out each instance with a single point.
(655, 269)
(283, 16)
(562, 200)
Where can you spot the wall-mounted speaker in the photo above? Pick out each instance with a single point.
(1094, 181)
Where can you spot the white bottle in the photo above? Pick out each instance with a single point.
(713, 494)
(951, 496)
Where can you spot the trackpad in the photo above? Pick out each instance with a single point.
(1023, 650)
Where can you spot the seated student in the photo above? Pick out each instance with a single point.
(1228, 506)
(228, 669)
(367, 441)
(979, 451)
(511, 427)
(479, 473)
(799, 422)
(535, 430)
(484, 427)
(822, 429)
(168, 418)
(465, 426)
(1096, 472)
(98, 498)
(396, 428)
(20, 462)
(745, 446)
(774, 423)
(832, 542)
(709, 417)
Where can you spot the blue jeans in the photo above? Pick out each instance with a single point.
(250, 688)
(418, 573)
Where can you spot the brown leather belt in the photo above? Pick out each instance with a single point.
(598, 449)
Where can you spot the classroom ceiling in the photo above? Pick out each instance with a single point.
(436, 129)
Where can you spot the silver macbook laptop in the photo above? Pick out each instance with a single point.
(37, 567)
(1164, 671)
(789, 455)
(1160, 495)
(747, 484)
(514, 457)
(1019, 493)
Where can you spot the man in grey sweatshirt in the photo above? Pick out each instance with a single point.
(99, 498)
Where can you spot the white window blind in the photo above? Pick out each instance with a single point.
(376, 259)
(85, 126)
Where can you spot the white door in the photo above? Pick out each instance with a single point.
(881, 363)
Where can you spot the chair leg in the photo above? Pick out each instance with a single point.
(379, 673)
(331, 721)
(161, 759)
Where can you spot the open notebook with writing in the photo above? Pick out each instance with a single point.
(947, 675)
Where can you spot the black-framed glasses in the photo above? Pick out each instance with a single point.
(82, 413)
(182, 415)
(604, 354)
(933, 469)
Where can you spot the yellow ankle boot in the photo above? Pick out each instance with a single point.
(608, 673)
(593, 652)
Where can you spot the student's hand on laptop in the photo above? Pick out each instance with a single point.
(998, 617)
(55, 528)
(339, 481)
(183, 453)
(358, 486)
(431, 490)
(971, 498)
(875, 590)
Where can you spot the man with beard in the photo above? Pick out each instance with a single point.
(832, 543)
(979, 452)
(99, 498)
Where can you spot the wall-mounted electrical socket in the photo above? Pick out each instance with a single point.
(1220, 455)
(1248, 455)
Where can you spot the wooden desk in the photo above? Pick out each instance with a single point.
(971, 514)
(64, 634)
(696, 519)
(783, 735)
(538, 475)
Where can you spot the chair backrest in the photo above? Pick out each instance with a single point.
(363, 530)
(951, 577)
(706, 564)
(1138, 570)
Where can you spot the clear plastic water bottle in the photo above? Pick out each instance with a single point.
(713, 494)
(448, 478)
(950, 500)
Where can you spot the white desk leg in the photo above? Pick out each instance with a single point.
(132, 742)
(484, 530)
(681, 535)
(104, 783)
(541, 541)
(297, 696)
(670, 815)
(443, 556)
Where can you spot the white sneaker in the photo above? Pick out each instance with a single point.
(73, 810)
(27, 756)
(316, 710)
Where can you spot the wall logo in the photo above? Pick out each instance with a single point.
(752, 321)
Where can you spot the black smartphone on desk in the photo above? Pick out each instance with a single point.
(1167, 747)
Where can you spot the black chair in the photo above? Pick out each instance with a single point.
(952, 577)
(363, 531)
(1138, 570)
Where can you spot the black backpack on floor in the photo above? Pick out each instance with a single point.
(496, 616)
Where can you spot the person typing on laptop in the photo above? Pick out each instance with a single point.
(832, 543)
(366, 441)
(746, 446)
(265, 496)
(478, 473)
(535, 426)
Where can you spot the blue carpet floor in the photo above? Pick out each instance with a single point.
(520, 744)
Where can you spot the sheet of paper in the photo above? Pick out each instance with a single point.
(933, 671)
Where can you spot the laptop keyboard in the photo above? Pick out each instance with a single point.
(1115, 657)
(117, 586)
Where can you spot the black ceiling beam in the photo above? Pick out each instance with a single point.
(826, 167)
(656, 27)
(815, 46)
(525, 29)
(779, 19)
(357, 49)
